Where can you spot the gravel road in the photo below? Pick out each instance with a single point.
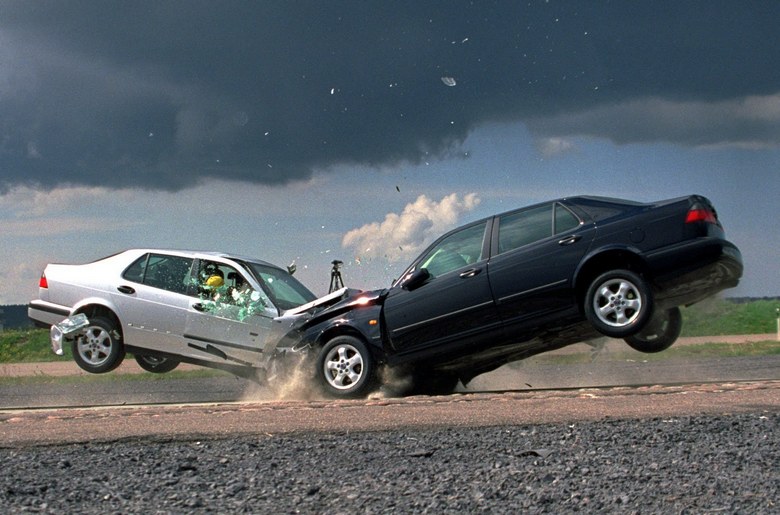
(721, 456)
(701, 464)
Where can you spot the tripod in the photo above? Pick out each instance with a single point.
(336, 281)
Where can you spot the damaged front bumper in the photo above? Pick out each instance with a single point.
(65, 331)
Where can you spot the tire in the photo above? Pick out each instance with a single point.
(345, 368)
(99, 348)
(659, 334)
(618, 303)
(155, 364)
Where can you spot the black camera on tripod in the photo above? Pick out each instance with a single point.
(336, 281)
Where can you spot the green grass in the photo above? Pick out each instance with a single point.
(28, 346)
(718, 317)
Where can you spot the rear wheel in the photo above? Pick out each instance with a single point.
(618, 303)
(155, 364)
(345, 367)
(99, 348)
(659, 334)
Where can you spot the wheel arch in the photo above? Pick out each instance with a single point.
(94, 309)
(605, 260)
(346, 330)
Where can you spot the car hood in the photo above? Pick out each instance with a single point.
(327, 300)
(330, 305)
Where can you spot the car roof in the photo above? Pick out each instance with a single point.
(204, 254)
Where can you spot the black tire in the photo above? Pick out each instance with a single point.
(155, 364)
(98, 349)
(345, 368)
(618, 303)
(659, 334)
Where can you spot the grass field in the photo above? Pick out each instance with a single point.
(709, 318)
(718, 317)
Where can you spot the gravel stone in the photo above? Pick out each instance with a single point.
(700, 464)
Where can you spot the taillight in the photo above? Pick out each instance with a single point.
(42, 283)
(700, 213)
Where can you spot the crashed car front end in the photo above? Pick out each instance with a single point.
(352, 312)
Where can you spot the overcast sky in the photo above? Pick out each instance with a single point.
(309, 131)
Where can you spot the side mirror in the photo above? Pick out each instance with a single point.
(415, 279)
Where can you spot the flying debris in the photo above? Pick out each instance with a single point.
(448, 81)
(398, 189)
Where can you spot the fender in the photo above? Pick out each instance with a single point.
(587, 261)
(357, 319)
(94, 301)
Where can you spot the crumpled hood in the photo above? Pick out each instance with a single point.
(330, 305)
(327, 300)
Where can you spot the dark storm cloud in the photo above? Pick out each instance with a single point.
(162, 94)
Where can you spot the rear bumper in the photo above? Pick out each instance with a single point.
(46, 314)
(687, 273)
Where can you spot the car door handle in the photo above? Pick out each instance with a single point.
(571, 239)
(126, 290)
(471, 272)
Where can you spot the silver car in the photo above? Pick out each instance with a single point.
(165, 307)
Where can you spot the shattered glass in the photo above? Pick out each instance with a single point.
(231, 302)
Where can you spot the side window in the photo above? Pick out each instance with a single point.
(565, 220)
(170, 273)
(226, 293)
(524, 227)
(455, 251)
(135, 272)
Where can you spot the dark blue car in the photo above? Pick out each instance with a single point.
(524, 282)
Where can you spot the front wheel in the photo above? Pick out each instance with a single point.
(659, 334)
(618, 303)
(98, 349)
(345, 367)
(155, 364)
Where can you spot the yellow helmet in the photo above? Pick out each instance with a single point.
(215, 281)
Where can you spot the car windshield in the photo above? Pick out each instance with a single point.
(285, 291)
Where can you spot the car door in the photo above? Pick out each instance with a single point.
(454, 303)
(152, 301)
(535, 252)
(229, 320)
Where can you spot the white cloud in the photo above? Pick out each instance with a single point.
(402, 235)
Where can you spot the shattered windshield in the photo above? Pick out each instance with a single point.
(285, 291)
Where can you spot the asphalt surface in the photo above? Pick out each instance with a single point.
(54, 386)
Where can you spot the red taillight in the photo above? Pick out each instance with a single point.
(701, 214)
(42, 283)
